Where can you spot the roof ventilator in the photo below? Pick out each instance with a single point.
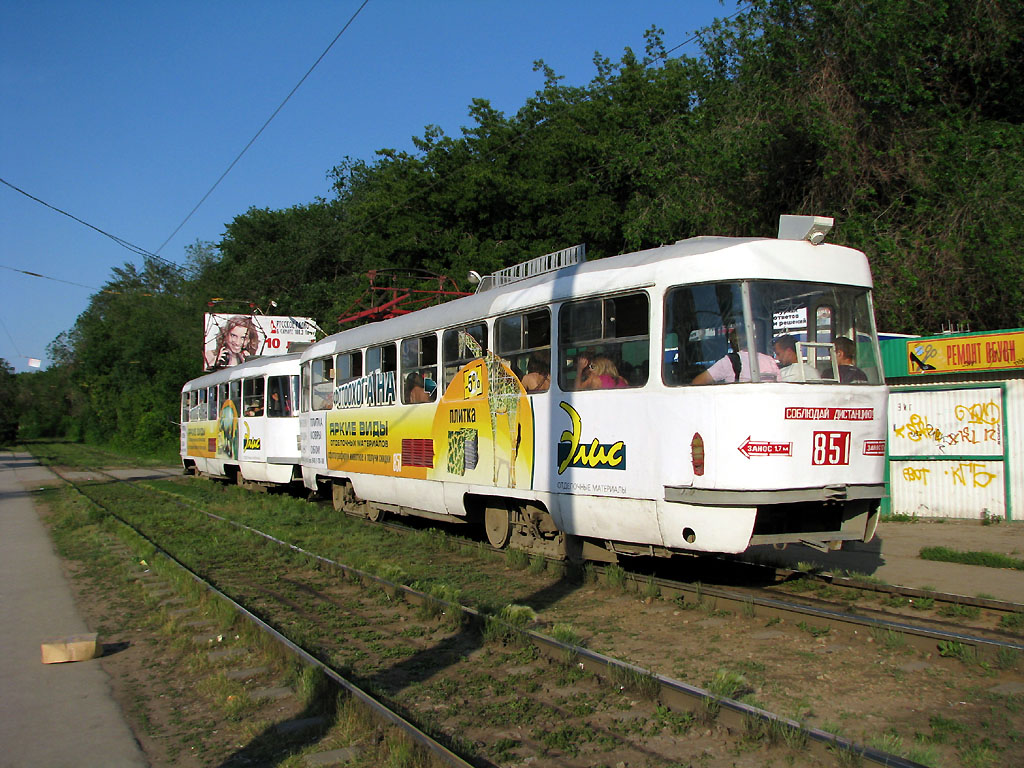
(810, 228)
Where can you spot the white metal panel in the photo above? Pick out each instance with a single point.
(953, 422)
(1014, 418)
(960, 422)
(960, 488)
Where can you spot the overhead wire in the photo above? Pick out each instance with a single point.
(47, 277)
(136, 249)
(263, 127)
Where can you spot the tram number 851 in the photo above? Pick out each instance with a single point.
(831, 448)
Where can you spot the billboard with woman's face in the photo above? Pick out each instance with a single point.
(233, 339)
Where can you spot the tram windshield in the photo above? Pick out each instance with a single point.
(799, 332)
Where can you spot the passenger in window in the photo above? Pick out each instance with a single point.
(602, 374)
(846, 356)
(278, 407)
(415, 392)
(538, 374)
(735, 366)
(791, 367)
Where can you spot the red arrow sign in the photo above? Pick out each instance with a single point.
(765, 448)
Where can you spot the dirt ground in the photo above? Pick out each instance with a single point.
(837, 682)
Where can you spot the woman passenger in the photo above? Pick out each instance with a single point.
(603, 375)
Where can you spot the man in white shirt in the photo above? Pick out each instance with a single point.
(735, 366)
(792, 368)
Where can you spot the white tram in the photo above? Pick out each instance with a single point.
(608, 407)
(242, 423)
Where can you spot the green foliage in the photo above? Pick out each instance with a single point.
(8, 397)
(903, 120)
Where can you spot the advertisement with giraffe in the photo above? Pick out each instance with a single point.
(480, 431)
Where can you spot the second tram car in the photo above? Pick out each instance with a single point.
(242, 423)
(610, 407)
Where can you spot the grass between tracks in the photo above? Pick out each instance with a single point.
(434, 563)
(183, 707)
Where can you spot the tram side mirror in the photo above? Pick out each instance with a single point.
(810, 228)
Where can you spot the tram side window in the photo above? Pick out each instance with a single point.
(383, 362)
(280, 396)
(252, 396)
(700, 323)
(525, 341)
(184, 407)
(223, 395)
(349, 366)
(604, 343)
(456, 359)
(419, 369)
(202, 405)
(322, 381)
(235, 394)
(211, 405)
(304, 371)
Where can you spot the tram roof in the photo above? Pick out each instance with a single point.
(696, 260)
(280, 365)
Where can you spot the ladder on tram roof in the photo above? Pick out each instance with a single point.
(539, 265)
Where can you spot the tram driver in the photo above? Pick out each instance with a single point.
(735, 366)
(792, 368)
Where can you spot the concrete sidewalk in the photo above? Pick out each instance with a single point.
(52, 715)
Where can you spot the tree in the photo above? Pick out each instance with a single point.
(8, 403)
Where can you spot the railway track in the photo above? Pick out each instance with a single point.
(674, 696)
(799, 596)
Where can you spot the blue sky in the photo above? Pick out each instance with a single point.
(124, 114)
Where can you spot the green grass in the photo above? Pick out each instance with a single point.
(68, 454)
(987, 559)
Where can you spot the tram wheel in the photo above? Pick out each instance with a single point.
(374, 514)
(339, 496)
(498, 526)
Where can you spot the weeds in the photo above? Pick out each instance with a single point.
(1012, 621)
(678, 723)
(516, 559)
(504, 628)
(988, 559)
(775, 731)
(812, 630)
(728, 684)
(636, 680)
(1007, 658)
(952, 649)
(651, 590)
(615, 576)
(537, 565)
(889, 639)
(957, 611)
(565, 633)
